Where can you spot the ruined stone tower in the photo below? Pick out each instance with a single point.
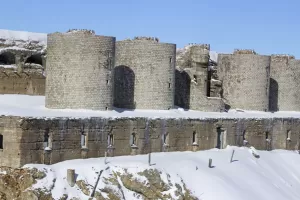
(144, 74)
(245, 77)
(192, 80)
(80, 70)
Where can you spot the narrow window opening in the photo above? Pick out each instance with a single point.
(171, 59)
(110, 140)
(47, 142)
(106, 108)
(194, 137)
(221, 138)
(288, 135)
(245, 142)
(107, 82)
(166, 139)
(169, 85)
(208, 82)
(83, 140)
(1, 141)
(133, 139)
(268, 138)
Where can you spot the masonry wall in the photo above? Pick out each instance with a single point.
(284, 83)
(29, 83)
(24, 138)
(79, 71)
(192, 83)
(13, 141)
(245, 80)
(144, 74)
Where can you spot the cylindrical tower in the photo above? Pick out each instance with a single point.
(245, 76)
(79, 70)
(284, 83)
(144, 74)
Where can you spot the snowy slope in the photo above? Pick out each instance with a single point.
(273, 176)
(34, 106)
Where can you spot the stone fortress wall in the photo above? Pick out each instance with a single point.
(80, 70)
(144, 74)
(80, 75)
(22, 62)
(48, 141)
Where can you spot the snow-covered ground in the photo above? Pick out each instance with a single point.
(34, 106)
(275, 175)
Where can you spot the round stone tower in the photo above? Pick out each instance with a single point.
(79, 70)
(144, 74)
(245, 76)
(284, 83)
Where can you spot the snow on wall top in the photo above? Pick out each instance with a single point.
(23, 35)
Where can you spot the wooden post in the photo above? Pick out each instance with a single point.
(105, 154)
(71, 177)
(210, 163)
(149, 159)
(231, 159)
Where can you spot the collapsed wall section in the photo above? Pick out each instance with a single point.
(80, 71)
(144, 74)
(284, 83)
(245, 78)
(193, 80)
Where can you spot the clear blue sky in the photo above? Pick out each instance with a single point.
(268, 26)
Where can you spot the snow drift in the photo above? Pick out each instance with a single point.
(273, 175)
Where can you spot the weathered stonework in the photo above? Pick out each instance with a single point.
(245, 78)
(284, 83)
(22, 63)
(24, 138)
(80, 71)
(144, 74)
(193, 81)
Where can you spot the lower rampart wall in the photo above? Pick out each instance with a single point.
(25, 139)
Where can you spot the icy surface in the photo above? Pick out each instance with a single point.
(274, 175)
(34, 106)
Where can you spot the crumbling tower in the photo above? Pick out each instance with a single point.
(245, 76)
(199, 58)
(192, 90)
(144, 74)
(79, 70)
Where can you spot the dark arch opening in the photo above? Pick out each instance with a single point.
(273, 95)
(182, 89)
(124, 81)
(7, 58)
(35, 59)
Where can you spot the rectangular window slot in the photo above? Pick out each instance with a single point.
(1, 142)
(110, 140)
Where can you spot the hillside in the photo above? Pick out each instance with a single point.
(178, 175)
